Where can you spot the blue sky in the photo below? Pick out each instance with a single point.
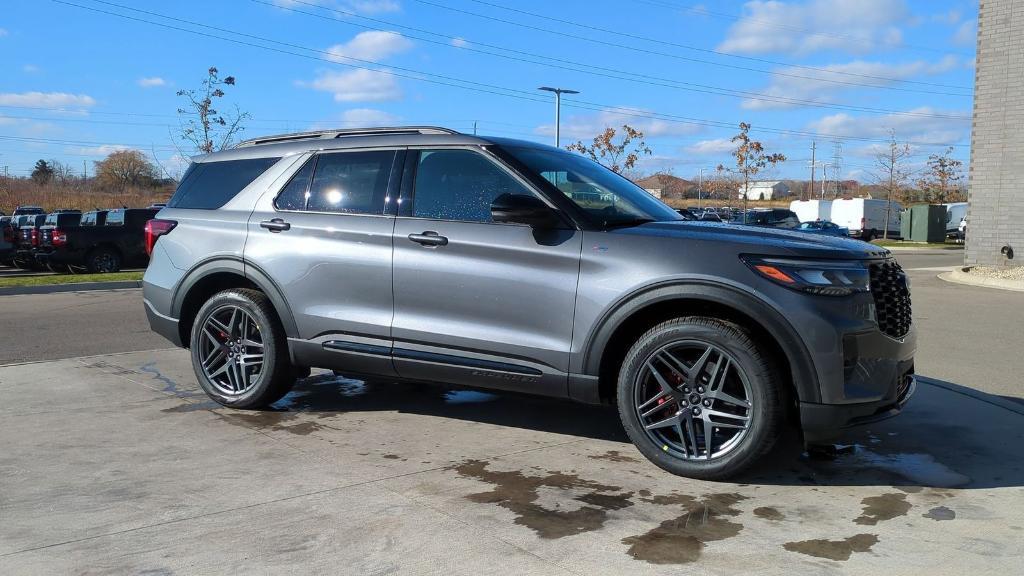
(79, 81)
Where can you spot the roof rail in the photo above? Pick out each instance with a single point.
(342, 133)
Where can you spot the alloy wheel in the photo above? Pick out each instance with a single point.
(231, 350)
(693, 400)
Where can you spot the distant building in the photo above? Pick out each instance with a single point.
(665, 186)
(656, 192)
(765, 190)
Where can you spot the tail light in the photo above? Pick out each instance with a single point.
(34, 237)
(155, 229)
(58, 238)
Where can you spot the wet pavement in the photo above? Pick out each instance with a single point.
(119, 464)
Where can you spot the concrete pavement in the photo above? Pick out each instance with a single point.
(119, 465)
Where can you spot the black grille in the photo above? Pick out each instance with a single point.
(892, 298)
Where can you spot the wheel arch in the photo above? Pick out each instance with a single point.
(607, 345)
(214, 275)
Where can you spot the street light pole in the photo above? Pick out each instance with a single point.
(700, 186)
(558, 109)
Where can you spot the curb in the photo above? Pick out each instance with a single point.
(76, 287)
(958, 276)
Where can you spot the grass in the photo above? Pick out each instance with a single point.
(68, 279)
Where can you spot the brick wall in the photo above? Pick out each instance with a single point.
(996, 182)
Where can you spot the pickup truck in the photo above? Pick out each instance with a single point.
(8, 238)
(120, 241)
(53, 228)
(28, 239)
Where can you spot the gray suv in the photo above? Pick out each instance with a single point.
(422, 254)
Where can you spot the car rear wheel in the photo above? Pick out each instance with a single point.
(239, 350)
(699, 398)
(103, 260)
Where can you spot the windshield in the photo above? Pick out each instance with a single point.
(609, 199)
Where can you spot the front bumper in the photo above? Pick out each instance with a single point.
(824, 422)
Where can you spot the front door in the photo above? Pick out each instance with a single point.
(477, 302)
(325, 239)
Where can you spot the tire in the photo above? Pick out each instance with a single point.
(748, 369)
(275, 376)
(103, 260)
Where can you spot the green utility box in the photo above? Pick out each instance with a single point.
(924, 223)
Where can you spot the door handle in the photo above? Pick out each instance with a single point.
(429, 238)
(275, 225)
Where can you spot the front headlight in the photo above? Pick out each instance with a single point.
(825, 277)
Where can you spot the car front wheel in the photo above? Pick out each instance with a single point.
(699, 398)
(239, 350)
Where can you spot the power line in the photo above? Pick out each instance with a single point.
(599, 70)
(703, 10)
(545, 17)
(448, 80)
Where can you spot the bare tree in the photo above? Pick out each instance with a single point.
(124, 169)
(893, 173)
(63, 174)
(750, 160)
(203, 125)
(616, 155)
(943, 179)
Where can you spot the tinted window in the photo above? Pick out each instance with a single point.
(209, 185)
(459, 185)
(293, 196)
(350, 182)
(115, 218)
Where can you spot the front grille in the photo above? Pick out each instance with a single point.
(892, 298)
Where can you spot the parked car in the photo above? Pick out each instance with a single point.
(710, 216)
(119, 242)
(865, 217)
(961, 235)
(28, 239)
(770, 217)
(8, 240)
(28, 210)
(955, 213)
(823, 227)
(53, 233)
(686, 214)
(423, 254)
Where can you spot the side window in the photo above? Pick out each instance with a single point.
(293, 195)
(350, 182)
(115, 218)
(459, 185)
(209, 185)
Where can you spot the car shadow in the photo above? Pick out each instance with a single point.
(949, 436)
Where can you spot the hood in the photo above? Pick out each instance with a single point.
(762, 240)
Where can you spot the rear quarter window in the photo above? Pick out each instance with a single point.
(115, 218)
(209, 185)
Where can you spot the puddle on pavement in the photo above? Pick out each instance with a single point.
(880, 508)
(519, 493)
(170, 386)
(834, 549)
(940, 513)
(769, 513)
(682, 539)
(270, 420)
(613, 456)
(920, 469)
(193, 407)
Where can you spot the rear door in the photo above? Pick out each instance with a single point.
(478, 302)
(325, 239)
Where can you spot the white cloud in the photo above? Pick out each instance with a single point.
(951, 17)
(151, 82)
(102, 150)
(459, 42)
(819, 85)
(586, 126)
(854, 26)
(3, 32)
(907, 128)
(46, 99)
(361, 6)
(368, 117)
(967, 33)
(30, 68)
(357, 85)
(373, 45)
(714, 146)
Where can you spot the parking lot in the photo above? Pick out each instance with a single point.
(115, 462)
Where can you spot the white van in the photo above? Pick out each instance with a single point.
(865, 217)
(812, 210)
(955, 212)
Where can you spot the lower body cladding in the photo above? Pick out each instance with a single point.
(878, 380)
(411, 361)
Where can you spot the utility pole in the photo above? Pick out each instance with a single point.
(837, 161)
(85, 173)
(810, 191)
(700, 185)
(558, 109)
(474, 127)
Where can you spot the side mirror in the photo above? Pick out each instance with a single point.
(523, 209)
